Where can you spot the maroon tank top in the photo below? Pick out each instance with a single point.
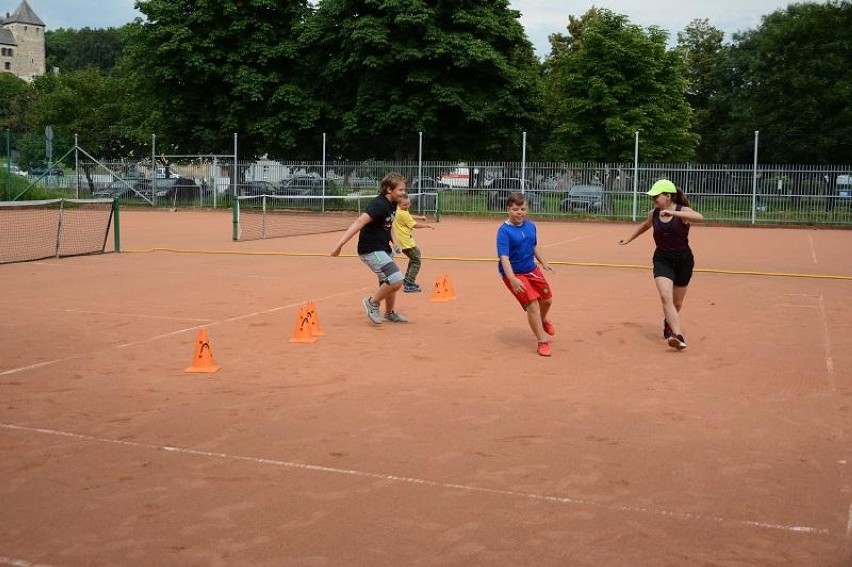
(671, 235)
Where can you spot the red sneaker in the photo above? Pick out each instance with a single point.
(544, 349)
(549, 328)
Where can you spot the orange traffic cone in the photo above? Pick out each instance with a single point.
(202, 360)
(313, 317)
(439, 292)
(302, 331)
(448, 285)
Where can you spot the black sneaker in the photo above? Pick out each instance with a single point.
(667, 330)
(677, 341)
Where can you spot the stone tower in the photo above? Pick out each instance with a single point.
(22, 43)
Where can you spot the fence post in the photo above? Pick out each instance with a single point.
(754, 181)
(635, 174)
(235, 207)
(116, 230)
(8, 163)
(524, 164)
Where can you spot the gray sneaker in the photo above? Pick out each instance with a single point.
(395, 317)
(373, 313)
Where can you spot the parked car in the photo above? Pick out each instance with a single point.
(174, 188)
(252, 188)
(121, 188)
(844, 186)
(307, 186)
(417, 189)
(13, 168)
(501, 187)
(359, 182)
(584, 197)
(40, 169)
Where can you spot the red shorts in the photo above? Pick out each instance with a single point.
(535, 287)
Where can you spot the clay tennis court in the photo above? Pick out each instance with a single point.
(444, 441)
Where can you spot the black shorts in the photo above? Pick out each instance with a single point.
(675, 265)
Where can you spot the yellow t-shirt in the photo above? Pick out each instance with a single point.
(403, 229)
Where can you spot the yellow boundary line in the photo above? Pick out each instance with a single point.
(457, 259)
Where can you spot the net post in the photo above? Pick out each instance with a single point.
(116, 231)
(235, 205)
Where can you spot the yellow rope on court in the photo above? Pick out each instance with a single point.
(458, 259)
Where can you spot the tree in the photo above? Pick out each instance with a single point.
(13, 100)
(704, 52)
(463, 72)
(606, 80)
(86, 103)
(75, 50)
(211, 69)
(789, 79)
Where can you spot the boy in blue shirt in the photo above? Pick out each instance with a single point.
(517, 250)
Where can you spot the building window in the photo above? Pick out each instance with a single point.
(7, 66)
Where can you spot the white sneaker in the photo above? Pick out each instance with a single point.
(372, 310)
(395, 317)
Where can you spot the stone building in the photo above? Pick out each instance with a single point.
(22, 43)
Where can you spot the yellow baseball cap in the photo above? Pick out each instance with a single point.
(662, 186)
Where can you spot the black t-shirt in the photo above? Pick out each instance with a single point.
(376, 234)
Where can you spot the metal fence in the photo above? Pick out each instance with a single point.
(749, 194)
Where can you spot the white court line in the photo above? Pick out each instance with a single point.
(432, 483)
(170, 334)
(829, 361)
(813, 248)
(849, 524)
(138, 315)
(20, 562)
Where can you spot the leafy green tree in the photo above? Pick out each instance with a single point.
(85, 103)
(789, 79)
(704, 52)
(207, 69)
(607, 79)
(14, 94)
(463, 72)
(74, 50)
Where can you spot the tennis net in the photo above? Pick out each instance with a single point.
(53, 228)
(276, 216)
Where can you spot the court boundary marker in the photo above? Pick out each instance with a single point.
(687, 516)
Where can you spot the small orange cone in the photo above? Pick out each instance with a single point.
(448, 285)
(202, 360)
(439, 292)
(302, 331)
(313, 317)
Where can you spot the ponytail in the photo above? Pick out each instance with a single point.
(680, 198)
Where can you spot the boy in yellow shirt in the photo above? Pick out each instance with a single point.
(404, 224)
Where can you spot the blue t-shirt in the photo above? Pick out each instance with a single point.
(518, 243)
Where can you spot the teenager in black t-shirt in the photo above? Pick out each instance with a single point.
(374, 248)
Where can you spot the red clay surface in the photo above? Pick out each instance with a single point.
(444, 441)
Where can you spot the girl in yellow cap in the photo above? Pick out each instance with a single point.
(673, 259)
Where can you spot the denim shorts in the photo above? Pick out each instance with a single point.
(382, 264)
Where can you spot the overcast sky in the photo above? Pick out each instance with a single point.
(540, 18)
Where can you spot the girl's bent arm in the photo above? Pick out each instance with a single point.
(646, 224)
